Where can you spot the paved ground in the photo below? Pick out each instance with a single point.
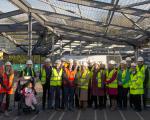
(89, 114)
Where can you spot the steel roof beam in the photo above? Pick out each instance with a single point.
(110, 17)
(23, 5)
(18, 27)
(10, 14)
(109, 6)
(76, 20)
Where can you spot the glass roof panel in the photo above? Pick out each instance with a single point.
(6, 6)
(6, 21)
(40, 4)
(128, 2)
(107, 1)
(143, 7)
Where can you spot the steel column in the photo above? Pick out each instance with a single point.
(30, 35)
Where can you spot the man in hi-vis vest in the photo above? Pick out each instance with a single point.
(144, 73)
(136, 87)
(45, 76)
(56, 85)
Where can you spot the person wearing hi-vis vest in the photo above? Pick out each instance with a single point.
(123, 84)
(90, 67)
(144, 72)
(97, 86)
(69, 85)
(56, 85)
(83, 78)
(112, 84)
(136, 87)
(45, 76)
(29, 71)
(8, 80)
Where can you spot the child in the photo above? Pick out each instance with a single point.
(30, 99)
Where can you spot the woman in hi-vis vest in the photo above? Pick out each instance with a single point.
(83, 79)
(8, 80)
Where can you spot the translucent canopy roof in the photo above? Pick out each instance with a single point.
(95, 23)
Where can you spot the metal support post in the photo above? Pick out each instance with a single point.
(30, 35)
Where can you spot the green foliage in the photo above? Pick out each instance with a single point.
(21, 59)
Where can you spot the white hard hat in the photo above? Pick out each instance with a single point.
(112, 62)
(123, 62)
(140, 59)
(128, 59)
(84, 64)
(29, 62)
(90, 61)
(133, 64)
(70, 60)
(8, 63)
(63, 59)
(96, 63)
(47, 60)
(58, 62)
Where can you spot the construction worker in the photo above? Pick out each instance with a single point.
(45, 76)
(103, 77)
(123, 84)
(29, 71)
(129, 61)
(63, 66)
(97, 86)
(136, 87)
(76, 65)
(69, 85)
(112, 83)
(56, 85)
(83, 78)
(90, 68)
(8, 80)
(142, 69)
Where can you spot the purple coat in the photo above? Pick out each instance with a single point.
(95, 90)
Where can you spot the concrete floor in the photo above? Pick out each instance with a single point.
(89, 114)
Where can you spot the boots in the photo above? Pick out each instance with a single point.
(114, 104)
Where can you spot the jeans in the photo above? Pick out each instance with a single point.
(2, 95)
(55, 96)
(69, 97)
(122, 96)
(46, 92)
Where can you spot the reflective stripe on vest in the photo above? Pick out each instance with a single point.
(142, 71)
(136, 84)
(56, 78)
(27, 74)
(43, 78)
(70, 74)
(99, 78)
(109, 75)
(124, 73)
(83, 79)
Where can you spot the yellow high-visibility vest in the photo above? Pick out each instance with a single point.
(56, 77)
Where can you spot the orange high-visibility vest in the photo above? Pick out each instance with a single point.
(8, 82)
(70, 74)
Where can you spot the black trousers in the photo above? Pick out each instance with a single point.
(89, 98)
(99, 101)
(112, 97)
(122, 96)
(145, 97)
(46, 94)
(137, 102)
(131, 101)
(7, 100)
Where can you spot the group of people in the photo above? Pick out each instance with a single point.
(69, 84)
